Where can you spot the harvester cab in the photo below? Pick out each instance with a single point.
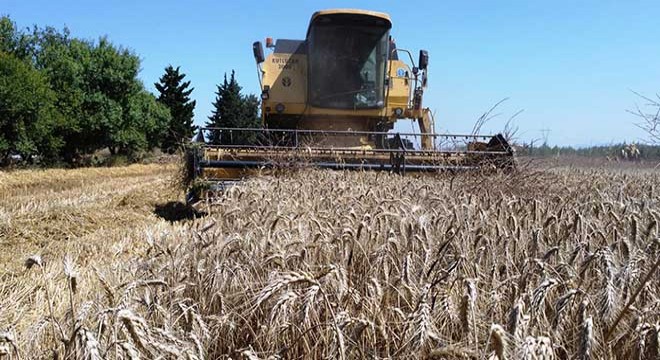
(331, 101)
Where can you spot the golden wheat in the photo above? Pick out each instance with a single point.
(322, 264)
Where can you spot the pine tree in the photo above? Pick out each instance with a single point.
(232, 109)
(175, 94)
(251, 117)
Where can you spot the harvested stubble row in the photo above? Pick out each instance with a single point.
(319, 264)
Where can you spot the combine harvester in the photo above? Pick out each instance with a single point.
(330, 101)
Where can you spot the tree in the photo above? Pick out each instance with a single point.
(7, 35)
(650, 117)
(234, 110)
(251, 111)
(62, 97)
(99, 94)
(175, 95)
(145, 120)
(27, 113)
(251, 118)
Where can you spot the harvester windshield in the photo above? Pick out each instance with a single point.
(348, 56)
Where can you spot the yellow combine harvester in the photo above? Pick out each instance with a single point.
(330, 101)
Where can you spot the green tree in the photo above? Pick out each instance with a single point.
(99, 95)
(65, 61)
(234, 110)
(144, 121)
(251, 111)
(27, 113)
(67, 97)
(7, 35)
(175, 95)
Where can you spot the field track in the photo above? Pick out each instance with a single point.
(53, 212)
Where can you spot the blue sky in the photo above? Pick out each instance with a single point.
(569, 64)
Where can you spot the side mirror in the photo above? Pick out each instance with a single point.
(423, 59)
(258, 51)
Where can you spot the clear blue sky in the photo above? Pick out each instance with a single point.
(568, 64)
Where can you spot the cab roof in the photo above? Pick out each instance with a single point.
(377, 14)
(349, 12)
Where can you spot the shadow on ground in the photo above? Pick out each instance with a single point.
(177, 211)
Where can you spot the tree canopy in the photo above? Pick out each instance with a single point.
(232, 109)
(28, 116)
(175, 95)
(64, 97)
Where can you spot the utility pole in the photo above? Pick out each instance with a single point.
(545, 133)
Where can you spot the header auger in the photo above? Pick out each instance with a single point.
(330, 101)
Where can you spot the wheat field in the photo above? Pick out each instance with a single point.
(554, 264)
